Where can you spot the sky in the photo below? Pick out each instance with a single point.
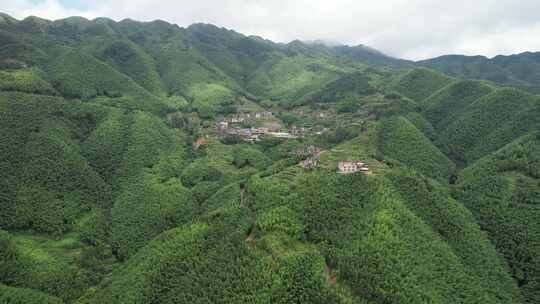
(409, 29)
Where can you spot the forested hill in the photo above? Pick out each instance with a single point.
(520, 70)
(142, 162)
(156, 55)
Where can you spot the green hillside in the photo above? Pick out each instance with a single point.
(289, 78)
(501, 190)
(348, 86)
(394, 251)
(13, 295)
(489, 123)
(398, 139)
(422, 124)
(46, 180)
(128, 58)
(143, 162)
(520, 70)
(445, 106)
(431, 202)
(418, 84)
(28, 81)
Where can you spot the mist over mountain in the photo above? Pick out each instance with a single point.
(144, 162)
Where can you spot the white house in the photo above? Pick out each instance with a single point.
(351, 167)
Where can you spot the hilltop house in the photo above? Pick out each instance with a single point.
(309, 164)
(260, 131)
(313, 154)
(282, 135)
(294, 130)
(199, 142)
(223, 126)
(264, 115)
(236, 119)
(311, 151)
(351, 167)
(248, 134)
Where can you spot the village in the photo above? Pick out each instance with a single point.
(232, 126)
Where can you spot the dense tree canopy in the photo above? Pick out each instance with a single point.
(120, 181)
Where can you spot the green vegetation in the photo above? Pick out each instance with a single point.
(399, 140)
(56, 267)
(422, 124)
(431, 202)
(46, 181)
(208, 98)
(246, 156)
(489, 123)
(520, 70)
(395, 257)
(117, 186)
(28, 81)
(501, 190)
(144, 209)
(84, 79)
(419, 84)
(11, 295)
(129, 59)
(349, 86)
(231, 52)
(442, 108)
(213, 256)
(289, 79)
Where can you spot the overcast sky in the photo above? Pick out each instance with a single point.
(412, 29)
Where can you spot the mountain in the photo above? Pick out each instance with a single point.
(489, 123)
(418, 84)
(501, 191)
(367, 54)
(143, 162)
(520, 70)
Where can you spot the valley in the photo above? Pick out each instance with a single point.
(143, 162)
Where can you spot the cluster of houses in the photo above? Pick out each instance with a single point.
(253, 134)
(352, 167)
(301, 132)
(228, 126)
(241, 117)
(313, 153)
(309, 163)
(307, 151)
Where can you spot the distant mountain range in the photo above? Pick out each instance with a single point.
(520, 70)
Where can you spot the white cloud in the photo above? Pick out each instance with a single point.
(412, 29)
(48, 9)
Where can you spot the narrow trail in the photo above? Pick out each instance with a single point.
(242, 193)
(330, 277)
(250, 238)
